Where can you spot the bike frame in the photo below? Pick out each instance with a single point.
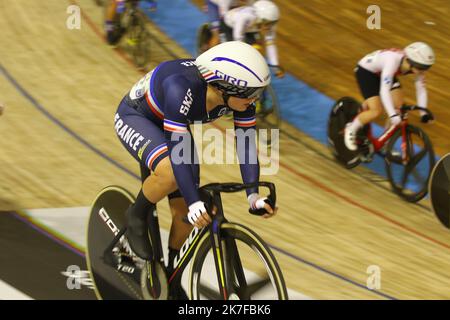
(379, 142)
(190, 245)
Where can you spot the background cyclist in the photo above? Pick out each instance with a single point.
(256, 25)
(216, 9)
(377, 74)
(152, 122)
(114, 9)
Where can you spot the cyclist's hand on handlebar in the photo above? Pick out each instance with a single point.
(425, 118)
(257, 202)
(395, 119)
(270, 211)
(197, 215)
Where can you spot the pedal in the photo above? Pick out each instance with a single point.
(366, 151)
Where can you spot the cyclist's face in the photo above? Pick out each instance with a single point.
(240, 104)
(408, 68)
(266, 26)
(417, 71)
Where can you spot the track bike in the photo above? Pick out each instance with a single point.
(221, 254)
(267, 107)
(407, 150)
(132, 22)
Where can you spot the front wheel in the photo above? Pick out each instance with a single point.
(251, 271)
(268, 110)
(409, 163)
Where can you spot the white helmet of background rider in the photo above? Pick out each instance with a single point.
(420, 55)
(235, 68)
(266, 11)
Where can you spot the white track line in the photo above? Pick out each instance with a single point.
(8, 292)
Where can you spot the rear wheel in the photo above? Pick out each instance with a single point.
(106, 224)
(409, 178)
(106, 220)
(343, 112)
(251, 271)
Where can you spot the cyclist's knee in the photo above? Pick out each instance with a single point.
(165, 175)
(375, 106)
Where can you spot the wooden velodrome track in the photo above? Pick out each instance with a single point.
(62, 87)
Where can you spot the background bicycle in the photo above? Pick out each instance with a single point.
(406, 149)
(131, 19)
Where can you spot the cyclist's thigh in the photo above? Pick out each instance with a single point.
(374, 104)
(368, 82)
(146, 142)
(143, 139)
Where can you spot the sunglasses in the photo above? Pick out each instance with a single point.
(418, 66)
(240, 92)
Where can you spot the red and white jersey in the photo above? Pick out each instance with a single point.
(243, 20)
(386, 63)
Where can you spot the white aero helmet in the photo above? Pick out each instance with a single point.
(235, 68)
(420, 55)
(266, 11)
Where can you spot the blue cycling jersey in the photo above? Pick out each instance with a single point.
(169, 98)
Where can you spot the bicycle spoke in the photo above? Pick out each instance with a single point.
(209, 293)
(418, 177)
(405, 176)
(256, 286)
(419, 156)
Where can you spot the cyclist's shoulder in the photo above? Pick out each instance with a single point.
(178, 69)
(181, 75)
(241, 11)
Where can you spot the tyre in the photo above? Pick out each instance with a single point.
(106, 219)
(342, 112)
(439, 188)
(243, 251)
(410, 180)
